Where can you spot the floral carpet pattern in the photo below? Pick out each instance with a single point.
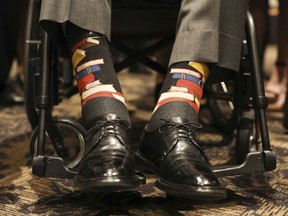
(21, 193)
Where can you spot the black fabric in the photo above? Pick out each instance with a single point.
(172, 109)
(97, 107)
(148, 2)
(169, 81)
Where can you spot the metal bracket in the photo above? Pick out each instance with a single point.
(51, 166)
(255, 162)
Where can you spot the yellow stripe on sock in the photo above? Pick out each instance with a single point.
(78, 55)
(200, 67)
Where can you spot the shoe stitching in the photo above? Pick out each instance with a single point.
(108, 127)
(185, 130)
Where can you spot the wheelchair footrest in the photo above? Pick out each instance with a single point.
(255, 162)
(51, 166)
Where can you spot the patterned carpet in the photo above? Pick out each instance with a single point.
(21, 193)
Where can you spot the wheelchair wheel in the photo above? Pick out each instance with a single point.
(245, 138)
(221, 107)
(73, 138)
(32, 60)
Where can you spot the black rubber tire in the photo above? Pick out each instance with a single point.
(224, 118)
(245, 136)
(32, 60)
(71, 124)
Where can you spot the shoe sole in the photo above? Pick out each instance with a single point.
(193, 193)
(107, 185)
(183, 191)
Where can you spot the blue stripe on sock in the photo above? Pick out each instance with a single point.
(88, 70)
(187, 77)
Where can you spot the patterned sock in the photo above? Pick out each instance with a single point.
(181, 93)
(97, 81)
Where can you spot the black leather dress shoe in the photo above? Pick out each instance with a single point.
(172, 152)
(108, 164)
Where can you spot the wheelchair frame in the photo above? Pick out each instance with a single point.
(54, 166)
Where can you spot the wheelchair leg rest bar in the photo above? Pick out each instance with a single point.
(50, 166)
(54, 167)
(255, 162)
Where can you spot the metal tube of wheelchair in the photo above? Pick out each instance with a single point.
(260, 99)
(136, 56)
(43, 100)
(145, 60)
(285, 118)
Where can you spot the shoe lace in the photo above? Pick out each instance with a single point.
(186, 130)
(106, 128)
(190, 127)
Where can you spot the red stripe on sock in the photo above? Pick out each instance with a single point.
(83, 41)
(175, 99)
(192, 87)
(84, 81)
(101, 94)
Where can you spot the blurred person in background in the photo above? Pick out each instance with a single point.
(12, 36)
(276, 86)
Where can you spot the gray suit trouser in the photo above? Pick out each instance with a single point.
(209, 31)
